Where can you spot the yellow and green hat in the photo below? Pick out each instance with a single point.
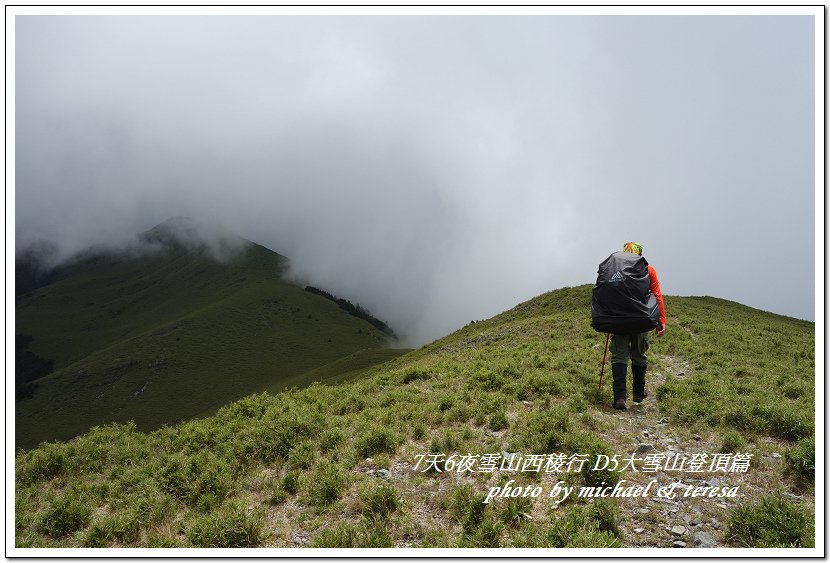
(633, 248)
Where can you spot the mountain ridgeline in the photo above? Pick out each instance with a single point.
(174, 326)
(355, 310)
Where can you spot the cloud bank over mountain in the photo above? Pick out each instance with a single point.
(434, 169)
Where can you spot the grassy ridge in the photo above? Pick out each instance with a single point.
(331, 466)
(753, 371)
(350, 367)
(132, 337)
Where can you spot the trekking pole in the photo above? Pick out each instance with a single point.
(602, 371)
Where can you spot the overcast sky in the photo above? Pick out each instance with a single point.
(435, 169)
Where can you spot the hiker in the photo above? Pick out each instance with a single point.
(634, 346)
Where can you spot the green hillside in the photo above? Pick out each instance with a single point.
(335, 465)
(164, 333)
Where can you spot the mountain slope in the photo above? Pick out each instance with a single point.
(335, 466)
(164, 332)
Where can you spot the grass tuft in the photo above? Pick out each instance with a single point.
(364, 534)
(732, 442)
(68, 513)
(770, 522)
(379, 500)
(376, 440)
(232, 525)
(325, 484)
(801, 459)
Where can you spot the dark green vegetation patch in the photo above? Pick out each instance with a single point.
(168, 332)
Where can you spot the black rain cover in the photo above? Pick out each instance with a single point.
(621, 301)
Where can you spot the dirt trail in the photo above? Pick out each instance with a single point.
(682, 521)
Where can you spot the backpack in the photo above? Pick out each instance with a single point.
(621, 301)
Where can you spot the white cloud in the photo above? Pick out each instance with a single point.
(435, 170)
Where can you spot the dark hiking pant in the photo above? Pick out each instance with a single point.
(623, 348)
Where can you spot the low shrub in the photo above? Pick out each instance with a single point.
(109, 445)
(542, 432)
(801, 459)
(795, 390)
(732, 442)
(104, 531)
(45, 462)
(161, 540)
(585, 526)
(330, 438)
(460, 412)
(595, 447)
(202, 480)
(445, 402)
(783, 419)
(465, 505)
(540, 384)
(379, 500)
(348, 404)
(498, 421)
(250, 407)
(325, 484)
(529, 535)
(150, 506)
(375, 441)
(302, 456)
(486, 533)
(291, 482)
(444, 441)
(415, 374)
(277, 497)
(419, 431)
(516, 511)
(229, 526)
(276, 435)
(577, 404)
(604, 514)
(770, 522)
(492, 378)
(68, 513)
(365, 534)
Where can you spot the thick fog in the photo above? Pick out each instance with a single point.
(435, 169)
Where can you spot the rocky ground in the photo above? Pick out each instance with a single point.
(685, 521)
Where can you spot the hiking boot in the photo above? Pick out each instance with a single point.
(638, 376)
(619, 403)
(619, 371)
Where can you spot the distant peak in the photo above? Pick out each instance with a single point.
(178, 220)
(186, 232)
(174, 225)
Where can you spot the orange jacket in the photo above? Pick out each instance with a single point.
(655, 289)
